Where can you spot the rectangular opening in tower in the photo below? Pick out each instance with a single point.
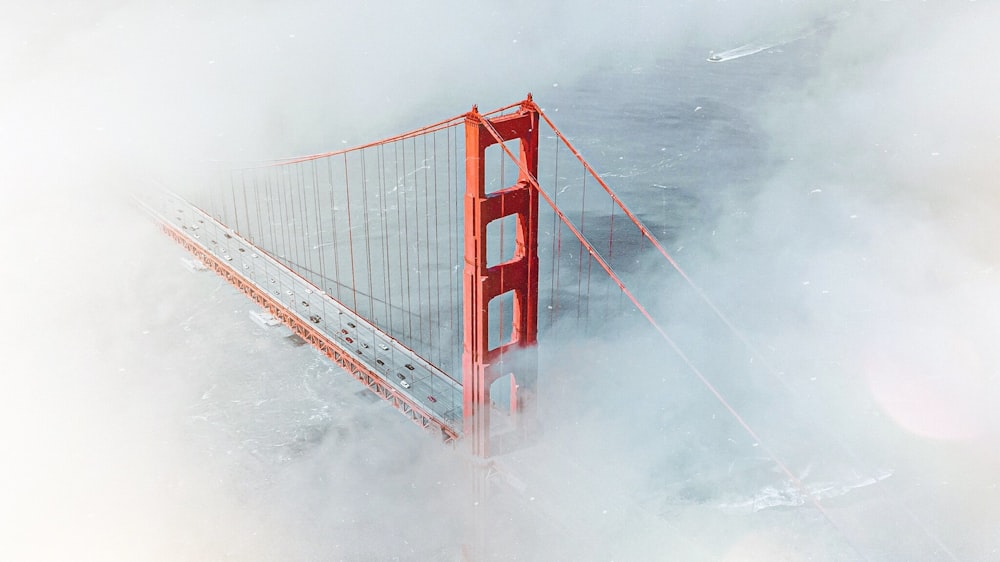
(501, 238)
(501, 315)
(501, 170)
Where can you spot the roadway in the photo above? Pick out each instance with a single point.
(436, 392)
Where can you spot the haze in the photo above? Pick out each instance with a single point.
(142, 420)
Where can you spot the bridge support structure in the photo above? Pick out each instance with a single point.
(334, 351)
(482, 365)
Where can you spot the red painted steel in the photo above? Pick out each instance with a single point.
(481, 365)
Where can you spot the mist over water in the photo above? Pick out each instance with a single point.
(834, 196)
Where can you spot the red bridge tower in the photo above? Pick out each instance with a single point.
(481, 365)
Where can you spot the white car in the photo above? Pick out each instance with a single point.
(402, 380)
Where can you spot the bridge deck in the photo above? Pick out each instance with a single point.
(420, 390)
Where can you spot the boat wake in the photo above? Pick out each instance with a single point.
(743, 51)
(765, 45)
(791, 495)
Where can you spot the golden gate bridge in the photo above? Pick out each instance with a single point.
(432, 242)
(433, 264)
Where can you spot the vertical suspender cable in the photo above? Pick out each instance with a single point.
(427, 243)
(286, 224)
(269, 193)
(333, 228)
(303, 220)
(289, 192)
(350, 235)
(246, 209)
(611, 254)
(300, 215)
(258, 206)
(368, 252)
(437, 247)
(294, 261)
(400, 247)
(579, 273)
(383, 207)
(452, 326)
(318, 213)
(283, 219)
(416, 245)
(405, 247)
(556, 238)
(236, 214)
